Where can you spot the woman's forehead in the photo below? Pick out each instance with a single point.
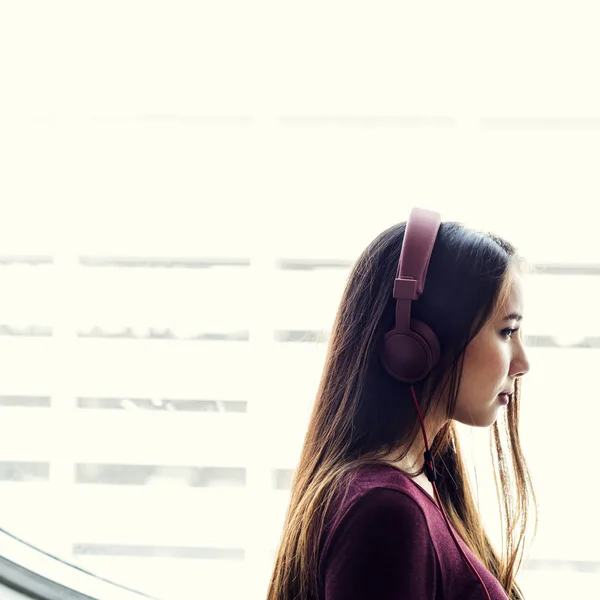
(511, 299)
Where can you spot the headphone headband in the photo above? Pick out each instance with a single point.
(419, 237)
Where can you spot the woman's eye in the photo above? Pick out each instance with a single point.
(507, 333)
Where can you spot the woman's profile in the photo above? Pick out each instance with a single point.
(427, 334)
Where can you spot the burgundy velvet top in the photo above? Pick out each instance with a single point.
(387, 540)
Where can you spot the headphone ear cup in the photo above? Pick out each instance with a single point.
(410, 356)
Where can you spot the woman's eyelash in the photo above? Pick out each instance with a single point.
(508, 332)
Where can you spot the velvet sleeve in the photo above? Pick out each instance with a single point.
(382, 550)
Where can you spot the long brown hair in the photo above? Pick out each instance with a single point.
(361, 413)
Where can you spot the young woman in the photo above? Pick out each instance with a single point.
(426, 334)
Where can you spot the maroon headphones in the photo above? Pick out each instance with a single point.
(412, 349)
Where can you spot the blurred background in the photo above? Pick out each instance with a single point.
(184, 187)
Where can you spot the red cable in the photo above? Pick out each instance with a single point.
(412, 389)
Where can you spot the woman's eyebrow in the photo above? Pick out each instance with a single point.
(513, 317)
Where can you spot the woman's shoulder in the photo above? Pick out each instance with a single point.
(369, 482)
(377, 494)
(376, 522)
(373, 490)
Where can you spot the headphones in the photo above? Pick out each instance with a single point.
(411, 349)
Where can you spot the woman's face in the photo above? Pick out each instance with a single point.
(492, 362)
